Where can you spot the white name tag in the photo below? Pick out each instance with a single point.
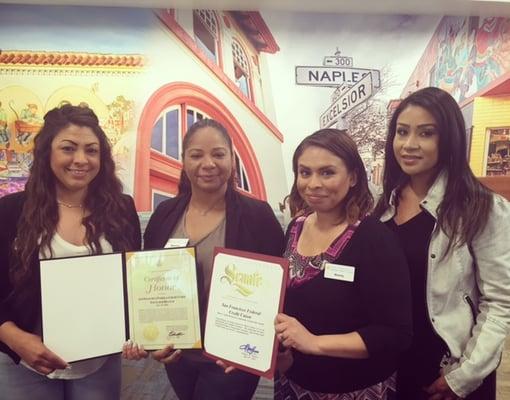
(176, 242)
(339, 272)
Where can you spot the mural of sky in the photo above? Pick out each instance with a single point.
(78, 29)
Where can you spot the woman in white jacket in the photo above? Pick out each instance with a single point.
(455, 234)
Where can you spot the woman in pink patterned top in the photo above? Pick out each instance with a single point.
(347, 309)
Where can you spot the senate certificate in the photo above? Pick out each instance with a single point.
(163, 298)
(246, 294)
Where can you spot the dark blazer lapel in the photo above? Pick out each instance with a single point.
(167, 223)
(233, 219)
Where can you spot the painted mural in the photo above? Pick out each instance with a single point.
(465, 55)
(498, 159)
(149, 74)
(22, 118)
(470, 58)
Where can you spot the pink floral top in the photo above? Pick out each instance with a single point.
(304, 268)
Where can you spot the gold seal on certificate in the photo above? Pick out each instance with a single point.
(246, 295)
(163, 298)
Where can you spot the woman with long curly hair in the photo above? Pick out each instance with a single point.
(72, 205)
(455, 233)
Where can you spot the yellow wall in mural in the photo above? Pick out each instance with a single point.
(488, 112)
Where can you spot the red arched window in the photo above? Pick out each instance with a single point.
(163, 123)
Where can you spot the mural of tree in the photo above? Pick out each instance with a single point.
(368, 126)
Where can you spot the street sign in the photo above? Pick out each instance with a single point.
(351, 98)
(334, 76)
(338, 92)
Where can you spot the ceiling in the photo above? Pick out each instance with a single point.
(438, 7)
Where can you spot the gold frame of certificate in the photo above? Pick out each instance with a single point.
(90, 305)
(246, 294)
(163, 298)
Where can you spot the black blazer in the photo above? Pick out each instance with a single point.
(250, 224)
(24, 309)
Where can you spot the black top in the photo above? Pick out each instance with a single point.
(377, 305)
(419, 365)
(24, 308)
(250, 224)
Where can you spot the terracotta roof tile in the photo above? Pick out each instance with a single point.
(71, 59)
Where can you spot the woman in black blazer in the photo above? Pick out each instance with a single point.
(209, 212)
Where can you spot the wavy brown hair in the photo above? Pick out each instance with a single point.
(359, 201)
(38, 222)
(465, 207)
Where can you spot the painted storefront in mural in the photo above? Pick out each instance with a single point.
(271, 78)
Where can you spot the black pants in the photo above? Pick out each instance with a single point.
(194, 379)
(487, 390)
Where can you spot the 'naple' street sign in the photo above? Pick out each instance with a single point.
(334, 76)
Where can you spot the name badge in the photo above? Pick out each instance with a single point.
(339, 272)
(176, 242)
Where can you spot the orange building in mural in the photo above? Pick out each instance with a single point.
(234, 40)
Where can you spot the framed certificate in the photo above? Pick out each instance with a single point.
(246, 294)
(92, 304)
(163, 298)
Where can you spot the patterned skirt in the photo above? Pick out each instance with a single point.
(286, 389)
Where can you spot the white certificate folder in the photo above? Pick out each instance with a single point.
(92, 304)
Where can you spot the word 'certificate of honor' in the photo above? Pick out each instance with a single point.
(163, 298)
(246, 294)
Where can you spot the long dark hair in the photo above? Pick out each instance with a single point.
(466, 204)
(358, 201)
(184, 182)
(39, 218)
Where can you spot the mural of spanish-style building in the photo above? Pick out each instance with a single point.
(225, 53)
(157, 73)
(470, 58)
